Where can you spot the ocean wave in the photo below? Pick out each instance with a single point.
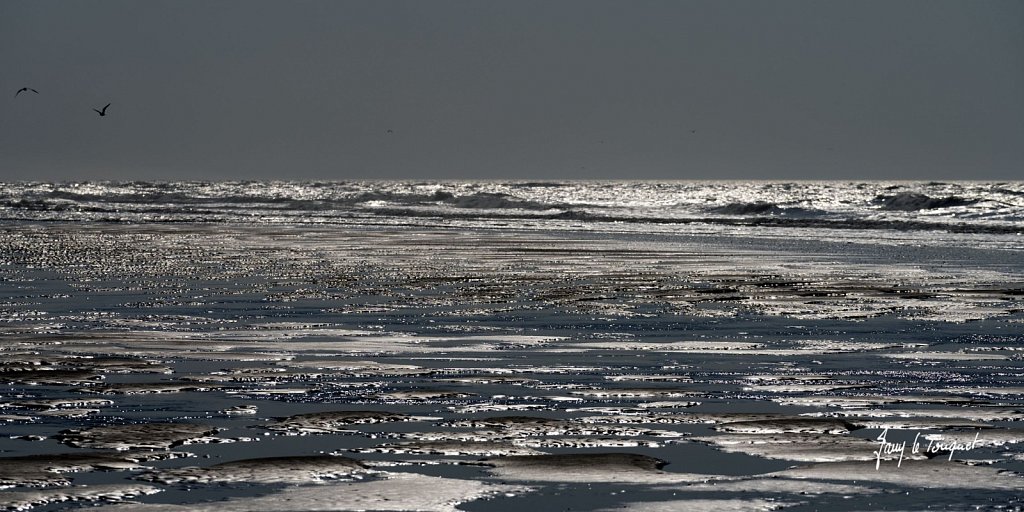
(981, 207)
(496, 201)
(538, 184)
(65, 200)
(144, 197)
(477, 200)
(755, 208)
(761, 208)
(1009, 191)
(912, 202)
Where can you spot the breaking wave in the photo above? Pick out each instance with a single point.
(762, 208)
(756, 208)
(911, 202)
(996, 208)
(491, 201)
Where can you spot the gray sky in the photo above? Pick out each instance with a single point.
(522, 89)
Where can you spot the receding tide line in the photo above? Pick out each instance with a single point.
(886, 447)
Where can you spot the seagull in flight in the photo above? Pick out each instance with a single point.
(23, 89)
(102, 112)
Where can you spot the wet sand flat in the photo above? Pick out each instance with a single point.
(433, 367)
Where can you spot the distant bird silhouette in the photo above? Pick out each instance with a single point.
(390, 131)
(23, 89)
(102, 112)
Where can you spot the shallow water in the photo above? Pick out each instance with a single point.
(472, 347)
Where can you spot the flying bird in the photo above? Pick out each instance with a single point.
(23, 89)
(102, 112)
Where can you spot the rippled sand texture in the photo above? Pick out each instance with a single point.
(432, 367)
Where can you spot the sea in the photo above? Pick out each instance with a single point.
(505, 345)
